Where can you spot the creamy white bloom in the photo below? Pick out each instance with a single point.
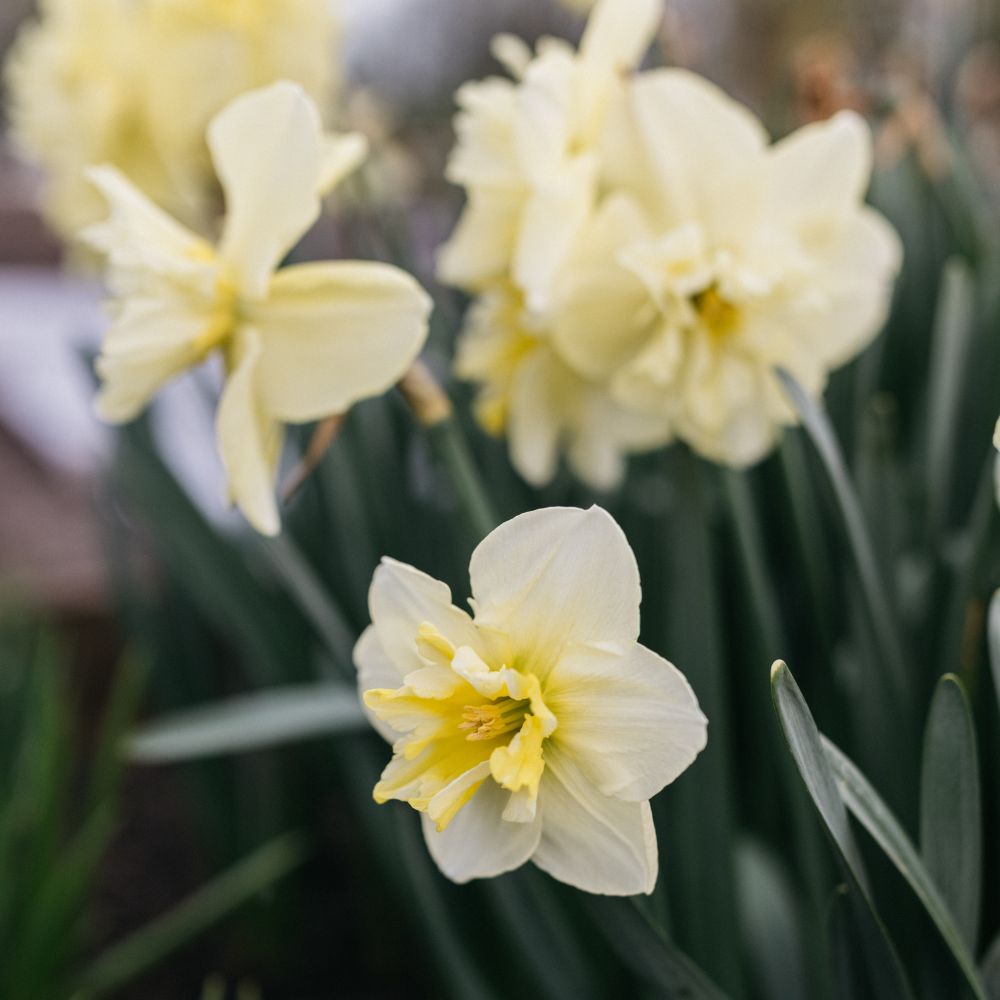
(134, 83)
(538, 728)
(722, 257)
(526, 151)
(543, 406)
(298, 343)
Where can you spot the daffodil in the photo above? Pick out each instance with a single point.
(530, 395)
(134, 83)
(298, 342)
(527, 150)
(717, 257)
(538, 728)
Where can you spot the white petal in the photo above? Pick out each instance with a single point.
(375, 670)
(589, 840)
(268, 151)
(335, 333)
(618, 33)
(555, 577)
(630, 721)
(343, 153)
(249, 441)
(480, 248)
(138, 234)
(479, 843)
(822, 170)
(400, 600)
(536, 418)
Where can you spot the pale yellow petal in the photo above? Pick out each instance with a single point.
(618, 33)
(555, 578)
(249, 440)
(593, 841)
(630, 720)
(268, 151)
(336, 333)
(479, 842)
(343, 153)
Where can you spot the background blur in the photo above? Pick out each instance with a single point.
(922, 70)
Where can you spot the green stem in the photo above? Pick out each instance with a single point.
(452, 450)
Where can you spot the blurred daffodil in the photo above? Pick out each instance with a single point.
(298, 343)
(539, 728)
(134, 83)
(717, 257)
(526, 151)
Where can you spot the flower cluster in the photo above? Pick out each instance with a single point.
(298, 343)
(539, 728)
(134, 83)
(644, 258)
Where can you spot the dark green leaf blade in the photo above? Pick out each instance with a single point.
(951, 837)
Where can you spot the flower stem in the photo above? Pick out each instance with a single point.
(434, 412)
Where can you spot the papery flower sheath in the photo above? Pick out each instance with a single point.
(538, 728)
(300, 342)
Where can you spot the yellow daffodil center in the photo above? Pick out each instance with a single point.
(717, 315)
(462, 722)
(220, 309)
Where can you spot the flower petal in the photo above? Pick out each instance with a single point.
(618, 34)
(267, 147)
(335, 333)
(249, 440)
(375, 670)
(822, 170)
(590, 840)
(343, 153)
(630, 721)
(479, 843)
(400, 600)
(557, 577)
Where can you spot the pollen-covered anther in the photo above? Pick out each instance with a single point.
(486, 722)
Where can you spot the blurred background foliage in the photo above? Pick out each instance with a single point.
(240, 854)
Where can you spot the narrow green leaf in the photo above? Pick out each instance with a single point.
(951, 824)
(866, 804)
(846, 949)
(877, 603)
(250, 722)
(646, 949)
(194, 915)
(991, 969)
(770, 922)
(805, 743)
(994, 642)
(953, 326)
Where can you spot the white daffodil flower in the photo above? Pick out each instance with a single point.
(527, 150)
(299, 343)
(539, 728)
(717, 257)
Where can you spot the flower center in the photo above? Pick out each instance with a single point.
(717, 315)
(462, 722)
(486, 722)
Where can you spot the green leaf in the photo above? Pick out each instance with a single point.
(770, 922)
(993, 630)
(191, 917)
(647, 950)
(865, 803)
(805, 743)
(953, 327)
(250, 722)
(991, 969)
(951, 824)
(876, 600)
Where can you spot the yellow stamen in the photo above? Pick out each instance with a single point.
(486, 722)
(718, 315)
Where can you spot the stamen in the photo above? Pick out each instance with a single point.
(718, 314)
(486, 722)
